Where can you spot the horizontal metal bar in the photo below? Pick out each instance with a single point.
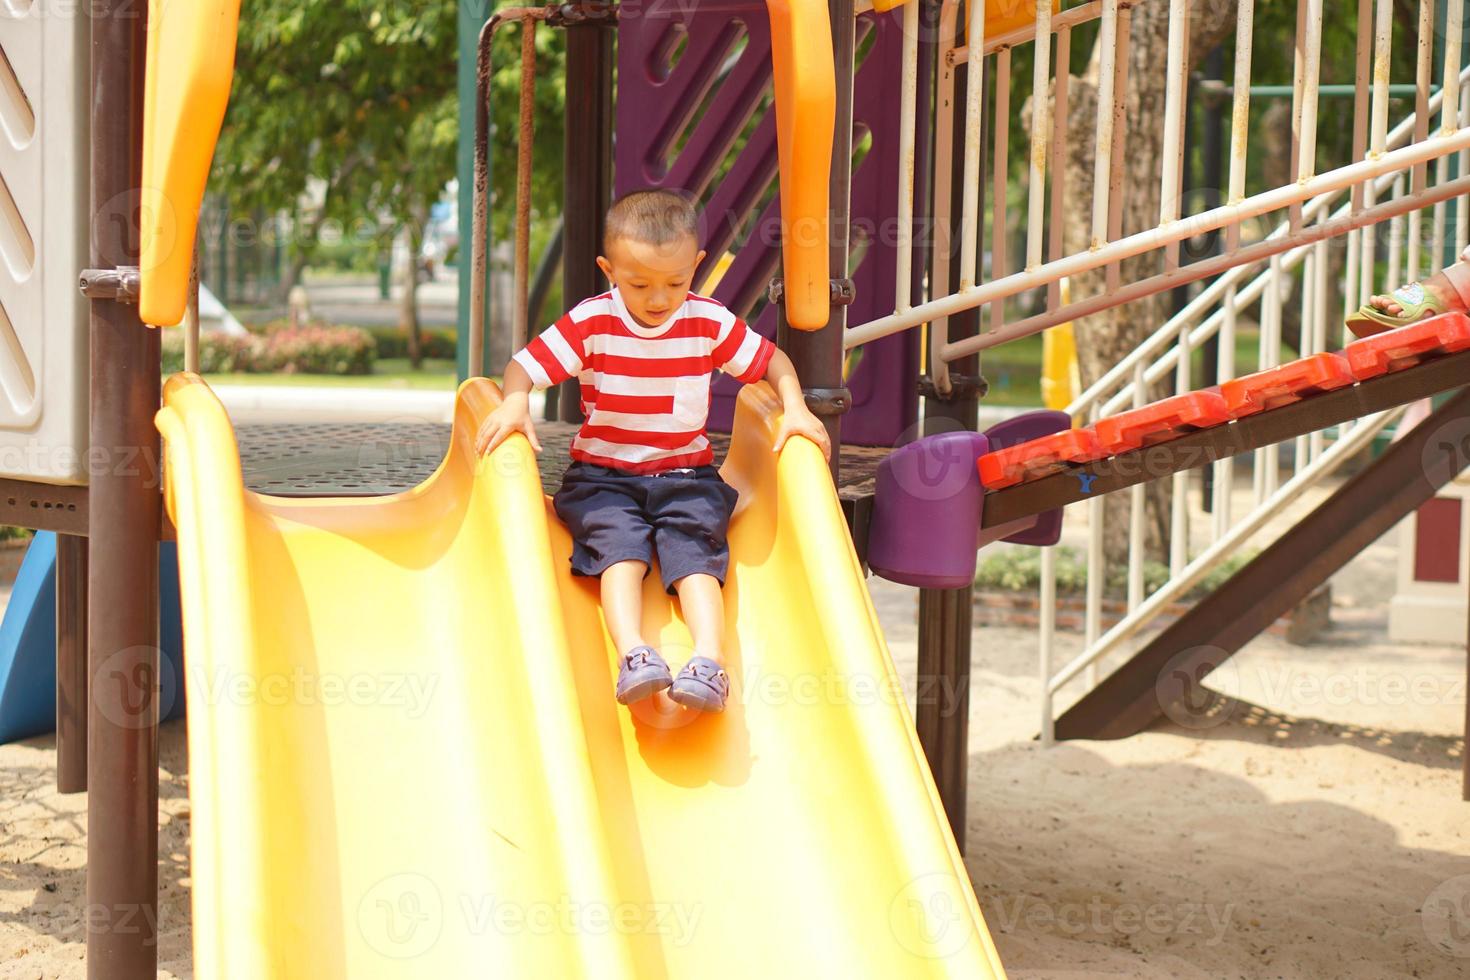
(1208, 445)
(1213, 87)
(121, 284)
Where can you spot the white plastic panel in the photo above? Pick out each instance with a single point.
(44, 184)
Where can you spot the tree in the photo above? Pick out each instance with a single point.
(356, 97)
(1105, 338)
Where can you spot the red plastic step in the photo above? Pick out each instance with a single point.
(1394, 350)
(1037, 458)
(1285, 384)
(1161, 421)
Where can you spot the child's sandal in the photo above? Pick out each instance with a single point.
(1416, 302)
(641, 673)
(702, 685)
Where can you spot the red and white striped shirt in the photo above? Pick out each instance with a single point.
(645, 392)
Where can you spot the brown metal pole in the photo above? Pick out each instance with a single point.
(587, 173)
(122, 727)
(817, 355)
(480, 232)
(942, 710)
(1464, 758)
(71, 663)
(525, 141)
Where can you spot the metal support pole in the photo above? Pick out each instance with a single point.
(942, 709)
(1212, 155)
(71, 663)
(587, 173)
(124, 518)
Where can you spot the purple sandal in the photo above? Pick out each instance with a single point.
(641, 672)
(702, 685)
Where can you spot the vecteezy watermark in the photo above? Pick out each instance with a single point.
(135, 686)
(405, 691)
(1362, 686)
(1181, 692)
(122, 919)
(404, 915)
(138, 685)
(1446, 916)
(674, 921)
(1099, 917)
(930, 917)
(1447, 450)
(401, 916)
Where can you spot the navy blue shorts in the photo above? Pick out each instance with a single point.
(682, 516)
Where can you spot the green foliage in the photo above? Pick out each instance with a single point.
(1019, 570)
(358, 94)
(313, 349)
(392, 342)
(546, 153)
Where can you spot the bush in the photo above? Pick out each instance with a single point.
(1019, 569)
(319, 350)
(392, 342)
(312, 349)
(218, 353)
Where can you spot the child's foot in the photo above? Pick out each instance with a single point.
(641, 672)
(1446, 291)
(702, 685)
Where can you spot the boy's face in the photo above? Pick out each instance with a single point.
(654, 280)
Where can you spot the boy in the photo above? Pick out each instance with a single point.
(642, 478)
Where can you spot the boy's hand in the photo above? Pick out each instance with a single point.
(513, 415)
(799, 421)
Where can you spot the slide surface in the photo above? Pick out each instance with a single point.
(406, 761)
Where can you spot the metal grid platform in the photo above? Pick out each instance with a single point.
(356, 459)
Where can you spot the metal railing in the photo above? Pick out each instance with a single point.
(1387, 180)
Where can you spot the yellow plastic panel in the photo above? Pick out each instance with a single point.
(191, 62)
(1001, 16)
(806, 108)
(510, 819)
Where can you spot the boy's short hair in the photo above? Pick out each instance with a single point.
(653, 217)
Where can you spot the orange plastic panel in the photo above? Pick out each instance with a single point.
(1161, 421)
(806, 111)
(1001, 16)
(1394, 350)
(1285, 384)
(191, 62)
(1037, 458)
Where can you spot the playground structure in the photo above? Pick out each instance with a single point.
(365, 562)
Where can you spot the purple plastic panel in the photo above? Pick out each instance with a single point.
(1047, 530)
(926, 511)
(655, 106)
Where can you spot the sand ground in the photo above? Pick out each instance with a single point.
(1314, 830)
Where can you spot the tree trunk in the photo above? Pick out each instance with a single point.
(1104, 338)
(408, 319)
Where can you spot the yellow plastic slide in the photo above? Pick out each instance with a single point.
(406, 760)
